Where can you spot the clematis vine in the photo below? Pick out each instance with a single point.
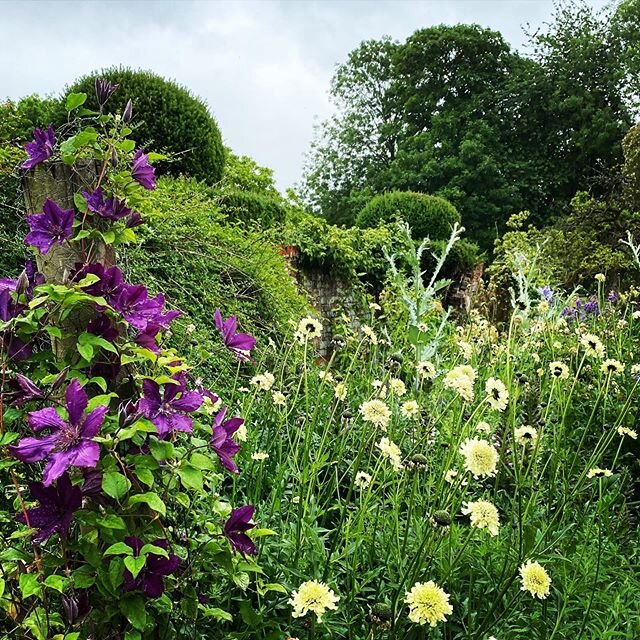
(236, 527)
(142, 172)
(40, 149)
(151, 577)
(167, 410)
(57, 505)
(104, 90)
(138, 309)
(222, 442)
(53, 226)
(110, 209)
(240, 344)
(70, 442)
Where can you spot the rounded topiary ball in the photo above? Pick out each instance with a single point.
(428, 216)
(167, 117)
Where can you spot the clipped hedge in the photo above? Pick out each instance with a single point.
(428, 216)
(168, 116)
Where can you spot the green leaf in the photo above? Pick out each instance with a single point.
(132, 606)
(86, 351)
(109, 236)
(83, 578)
(88, 280)
(115, 485)
(190, 476)
(216, 613)
(273, 586)
(58, 583)
(112, 521)
(200, 461)
(80, 202)
(151, 499)
(119, 548)
(30, 585)
(161, 449)
(152, 548)
(75, 100)
(135, 565)
(144, 475)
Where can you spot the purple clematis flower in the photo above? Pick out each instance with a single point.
(138, 309)
(110, 284)
(222, 442)
(40, 149)
(8, 283)
(55, 512)
(151, 577)
(111, 208)
(23, 391)
(239, 344)
(70, 442)
(104, 90)
(235, 529)
(127, 114)
(167, 411)
(53, 225)
(142, 172)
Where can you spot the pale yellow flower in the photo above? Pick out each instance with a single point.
(483, 427)
(597, 472)
(279, 399)
(369, 334)
(264, 380)
(461, 379)
(410, 409)
(391, 451)
(612, 366)
(340, 391)
(526, 435)
(624, 431)
(535, 579)
(426, 370)
(593, 345)
(497, 394)
(397, 387)
(376, 412)
(309, 328)
(260, 455)
(484, 515)
(363, 479)
(480, 457)
(313, 596)
(428, 603)
(241, 434)
(559, 370)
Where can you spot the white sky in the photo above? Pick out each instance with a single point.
(263, 66)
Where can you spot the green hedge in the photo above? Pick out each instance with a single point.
(428, 216)
(168, 117)
(246, 206)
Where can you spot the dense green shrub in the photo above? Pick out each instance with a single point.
(19, 119)
(428, 216)
(12, 225)
(245, 206)
(168, 116)
(201, 262)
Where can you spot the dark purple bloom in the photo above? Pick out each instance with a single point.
(24, 390)
(8, 283)
(11, 344)
(151, 577)
(167, 411)
(70, 442)
(238, 343)
(53, 225)
(76, 606)
(147, 337)
(138, 309)
(222, 442)
(55, 512)
(111, 208)
(103, 327)
(591, 308)
(104, 90)
(134, 220)
(128, 112)
(40, 149)
(235, 529)
(110, 284)
(92, 488)
(142, 172)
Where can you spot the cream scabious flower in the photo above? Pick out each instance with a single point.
(376, 412)
(327, 376)
(497, 394)
(309, 328)
(612, 366)
(526, 435)
(426, 370)
(279, 399)
(466, 348)
(484, 515)
(428, 603)
(461, 379)
(559, 370)
(241, 434)
(397, 387)
(480, 457)
(391, 451)
(313, 596)
(369, 334)
(624, 431)
(535, 579)
(483, 427)
(593, 345)
(597, 472)
(363, 479)
(264, 380)
(340, 391)
(260, 455)
(409, 409)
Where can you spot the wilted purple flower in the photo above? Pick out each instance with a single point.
(239, 344)
(128, 112)
(142, 172)
(134, 220)
(222, 442)
(55, 512)
(104, 90)
(53, 225)
(111, 208)
(612, 297)
(24, 390)
(167, 411)
(70, 442)
(235, 529)
(40, 149)
(76, 606)
(29, 278)
(151, 577)
(546, 292)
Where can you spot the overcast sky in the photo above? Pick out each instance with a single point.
(263, 66)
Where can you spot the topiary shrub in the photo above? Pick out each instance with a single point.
(245, 206)
(168, 116)
(428, 216)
